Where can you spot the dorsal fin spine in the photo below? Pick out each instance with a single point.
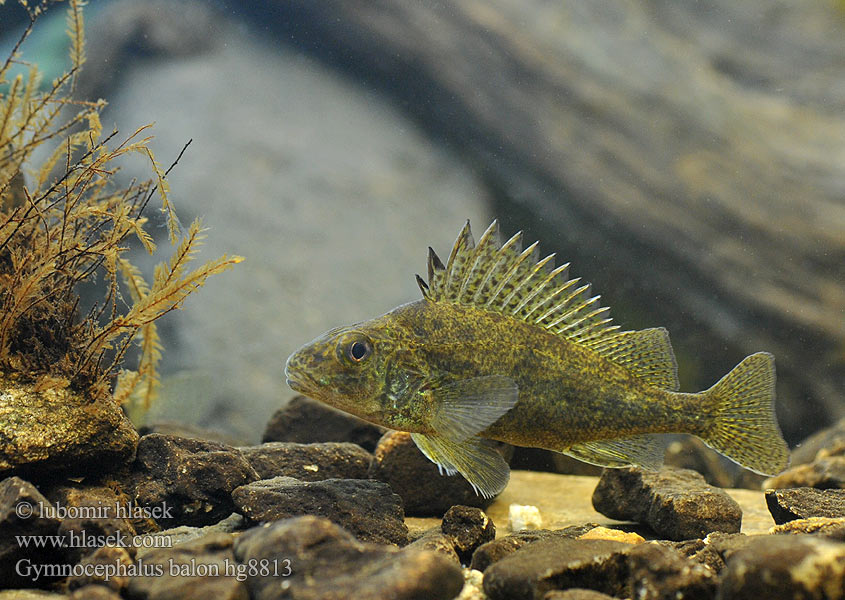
(511, 272)
(512, 245)
(457, 259)
(571, 317)
(562, 303)
(539, 291)
(489, 236)
(538, 268)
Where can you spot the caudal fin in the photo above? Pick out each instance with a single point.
(745, 427)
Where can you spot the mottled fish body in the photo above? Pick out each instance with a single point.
(506, 347)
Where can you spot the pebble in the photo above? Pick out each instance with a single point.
(368, 509)
(786, 567)
(188, 481)
(676, 503)
(309, 462)
(328, 562)
(468, 527)
(801, 503)
(424, 491)
(605, 533)
(523, 516)
(295, 422)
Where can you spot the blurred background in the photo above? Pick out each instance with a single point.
(688, 158)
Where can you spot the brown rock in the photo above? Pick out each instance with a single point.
(59, 429)
(488, 553)
(648, 571)
(833, 528)
(309, 462)
(306, 421)
(369, 509)
(468, 527)
(802, 503)
(676, 503)
(22, 512)
(823, 473)
(785, 567)
(424, 491)
(109, 557)
(196, 570)
(328, 562)
(188, 481)
(436, 541)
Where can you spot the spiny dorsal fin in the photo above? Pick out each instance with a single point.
(504, 278)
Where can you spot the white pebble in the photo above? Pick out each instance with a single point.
(522, 516)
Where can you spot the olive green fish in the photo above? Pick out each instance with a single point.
(506, 347)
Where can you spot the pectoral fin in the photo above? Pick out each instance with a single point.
(643, 450)
(475, 458)
(467, 407)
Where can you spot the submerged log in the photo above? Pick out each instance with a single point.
(687, 157)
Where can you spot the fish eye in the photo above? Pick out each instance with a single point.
(354, 348)
(358, 351)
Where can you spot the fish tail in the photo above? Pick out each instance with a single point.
(744, 426)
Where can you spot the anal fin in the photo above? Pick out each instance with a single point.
(641, 450)
(475, 458)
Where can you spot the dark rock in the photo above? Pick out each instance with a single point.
(305, 421)
(833, 528)
(189, 481)
(111, 503)
(713, 551)
(108, 557)
(198, 570)
(416, 479)
(183, 534)
(436, 541)
(61, 430)
(657, 572)
(468, 527)
(823, 473)
(488, 553)
(802, 503)
(644, 571)
(576, 594)
(786, 567)
(676, 503)
(557, 563)
(309, 462)
(328, 562)
(83, 535)
(369, 509)
(22, 512)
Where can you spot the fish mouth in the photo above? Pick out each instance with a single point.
(298, 380)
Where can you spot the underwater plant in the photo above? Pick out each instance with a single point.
(64, 221)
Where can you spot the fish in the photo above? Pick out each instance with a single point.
(504, 346)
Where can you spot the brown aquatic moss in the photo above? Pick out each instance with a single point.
(63, 221)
